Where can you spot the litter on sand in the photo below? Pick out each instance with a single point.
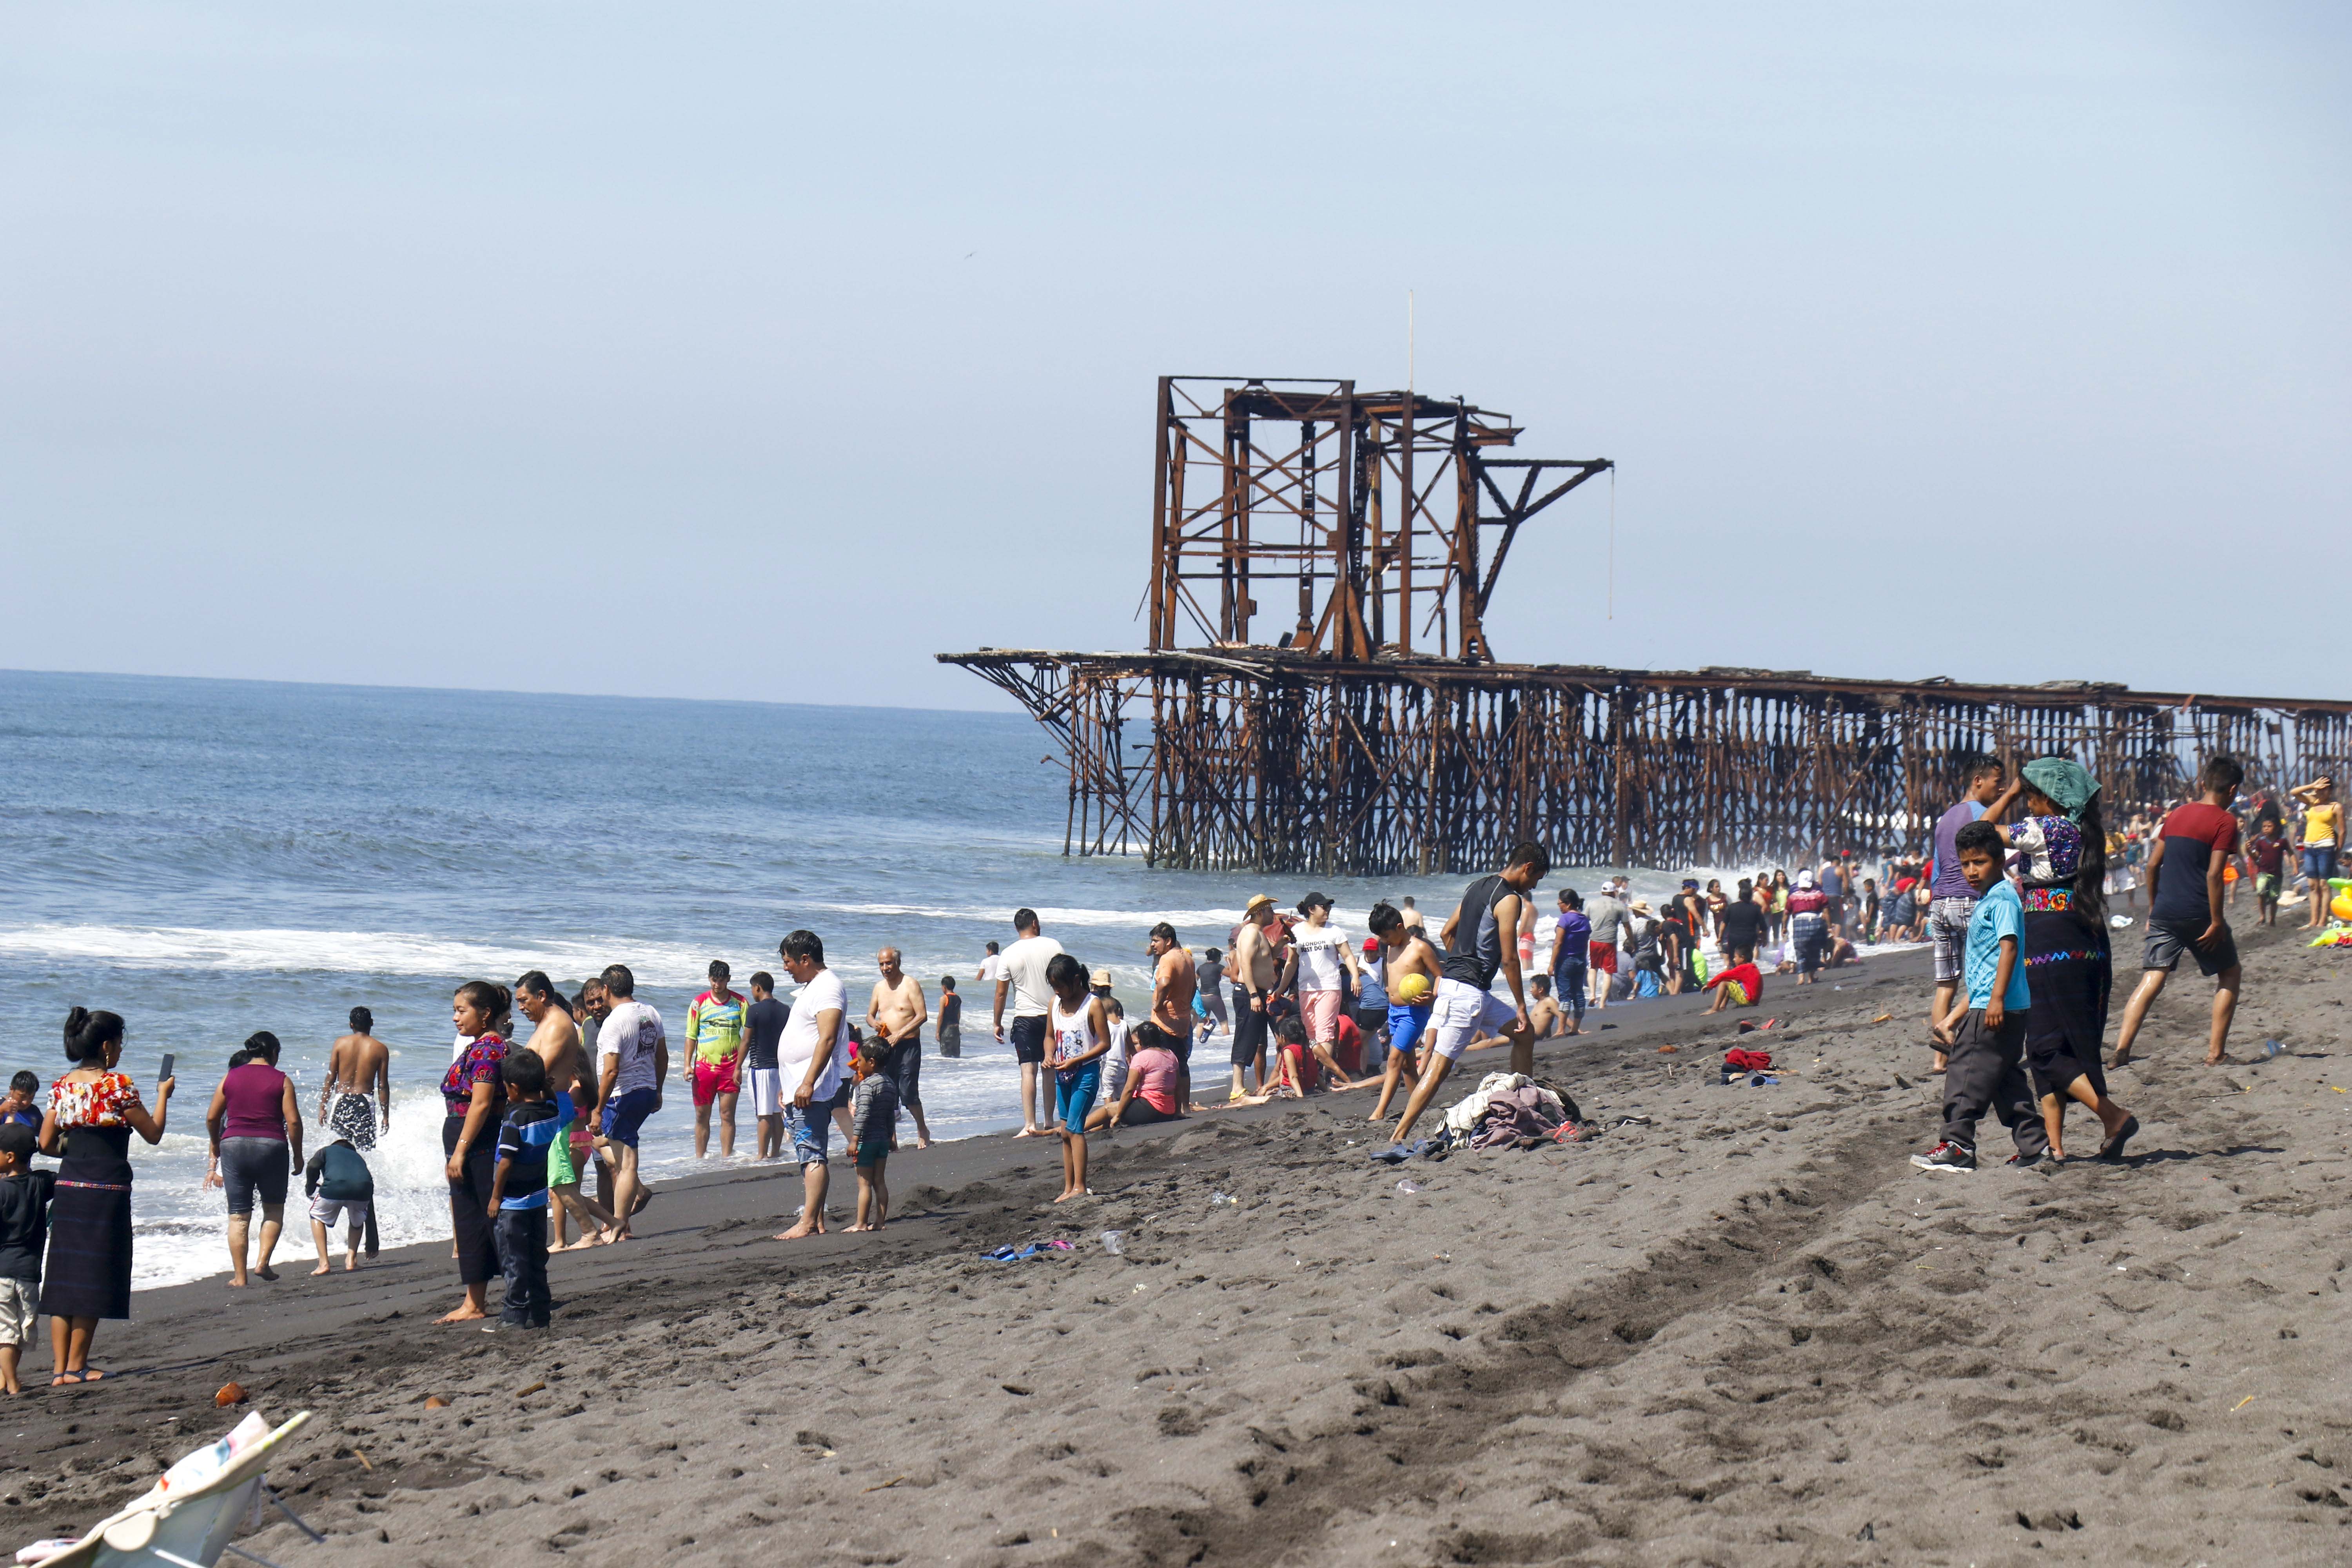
(1409, 1185)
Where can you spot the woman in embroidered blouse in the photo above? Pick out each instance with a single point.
(474, 1096)
(2068, 970)
(93, 1110)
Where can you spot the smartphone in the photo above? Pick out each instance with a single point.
(164, 1071)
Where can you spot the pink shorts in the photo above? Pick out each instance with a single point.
(712, 1080)
(1321, 1010)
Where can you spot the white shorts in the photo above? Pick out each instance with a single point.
(327, 1211)
(20, 1301)
(768, 1092)
(1463, 1014)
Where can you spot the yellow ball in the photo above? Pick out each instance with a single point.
(1413, 990)
(2341, 906)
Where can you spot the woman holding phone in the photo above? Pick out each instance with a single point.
(92, 1112)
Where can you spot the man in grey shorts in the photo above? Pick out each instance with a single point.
(1951, 901)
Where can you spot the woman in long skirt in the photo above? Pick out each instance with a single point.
(92, 1112)
(473, 1095)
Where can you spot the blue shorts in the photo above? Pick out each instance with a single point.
(1075, 1090)
(2319, 864)
(625, 1113)
(811, 1131)
(1406, 1024)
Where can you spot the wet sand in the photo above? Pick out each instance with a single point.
(1747, 1331)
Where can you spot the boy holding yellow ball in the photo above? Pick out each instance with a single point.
(1409, 967)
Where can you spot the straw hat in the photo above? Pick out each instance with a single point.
(1099, 977)
(1263, 900)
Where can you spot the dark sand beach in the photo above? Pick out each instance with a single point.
(1747, 1331)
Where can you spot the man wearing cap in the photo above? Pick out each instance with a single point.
(1607, 912)
(1256, 971)
(1173, 980)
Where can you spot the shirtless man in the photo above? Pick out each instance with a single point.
(1173, 980)
(896, 1016)
(1404, 951)
(1410, 915)
(1256, 971)
(555, 1040)
(1479, 942)
(359, 1069)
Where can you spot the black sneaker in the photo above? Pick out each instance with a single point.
(1949, 1155)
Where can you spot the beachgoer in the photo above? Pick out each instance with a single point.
(1258, 972)
(992, 969)
(1740, 928)
(1175, 985)
(712, 1065)
(1715, 904)
(257, 1144)
(896, 1014)
(1326, 962)
(1571, 940)
(1870, 908)
(2323, 831)
(593, 1005)
(950, 1018)
(355, 1096)
(2184, 908)
(1115, 1059)
(1832, 886)
(340, 1187)
(517, 1206)
(1606, 916)
(1738, 984)
(1642, 927)
(1950, 900)
(571, 1080)
(1478, 943)
(1081, 1033)
(472, 1095)
(872, 1130)
(1527, 932)
(1372, 1008)
(1983, 1036)
(24, 1196)
(764, 1026)
(2061, 848)
(1543, 1013)
(1809, 925)
(92, 1112)
(1209, 977)
(1410, 915)
(1153, 1090)
(2266, 853)
(631, 1076)
(1411, 967)
(21, 1107)
(814, 1055)
(1021, 977)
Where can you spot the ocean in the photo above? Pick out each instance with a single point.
(211, 857)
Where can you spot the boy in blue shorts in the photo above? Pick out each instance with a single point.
(1404, 952)
(519, 1192)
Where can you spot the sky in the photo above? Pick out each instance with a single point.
(760, 351)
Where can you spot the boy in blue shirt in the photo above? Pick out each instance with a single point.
(519, 1192)
(1984, 1033)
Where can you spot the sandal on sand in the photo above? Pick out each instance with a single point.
(64, 1378)
(2112, 1150)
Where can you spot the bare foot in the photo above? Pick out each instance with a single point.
(922, 1143)
(464, 1312)
(266, 1272)
(610, 1237)
(351, 1264)
(237, 1284)
(847, 1229)
(1030, 1132)
(2218, 1060)
(802, 1230)
(323, 1269)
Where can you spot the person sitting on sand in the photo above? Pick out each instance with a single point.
(1153, 1085)
(1735, 986)
(340, 1187)
(874, 1124)
(1078, 1034)
(1478, 943)
(1409, 968)
(1295, 1073)
(1543, 1013)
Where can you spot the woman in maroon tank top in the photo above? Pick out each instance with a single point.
(257, 1136)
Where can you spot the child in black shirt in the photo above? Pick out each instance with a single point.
(24, 1236)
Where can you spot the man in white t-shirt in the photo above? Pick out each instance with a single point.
(1022, 979)
(1326, 962)
(812, 1055)
(634, 1065)
(992, 969)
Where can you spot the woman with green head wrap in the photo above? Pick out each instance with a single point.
(2061, 880)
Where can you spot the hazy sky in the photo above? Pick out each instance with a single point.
(761, 352)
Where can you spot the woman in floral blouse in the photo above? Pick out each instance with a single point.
(93, 1110)
(473, 1095)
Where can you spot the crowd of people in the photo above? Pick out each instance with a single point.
(541, 1133)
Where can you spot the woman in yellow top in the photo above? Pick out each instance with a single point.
(2323, 830)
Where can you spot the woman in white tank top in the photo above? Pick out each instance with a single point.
(1080, 1035)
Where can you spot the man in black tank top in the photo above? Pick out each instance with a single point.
(1481, 939)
